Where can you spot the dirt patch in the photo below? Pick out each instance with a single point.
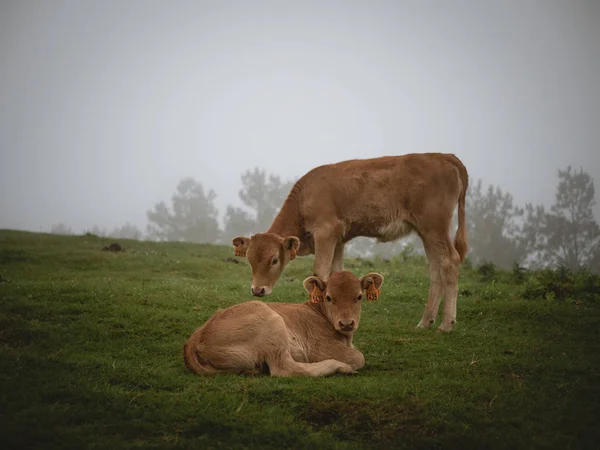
(114, 247)
(13, 256)
(18, 335)
(379, 423)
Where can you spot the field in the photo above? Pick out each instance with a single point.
(91, 357)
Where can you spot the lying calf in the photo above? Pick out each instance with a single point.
(310, 339)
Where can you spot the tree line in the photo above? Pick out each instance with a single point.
(499, 230)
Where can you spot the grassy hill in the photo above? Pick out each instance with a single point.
(91, 356)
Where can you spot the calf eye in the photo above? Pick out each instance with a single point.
(275, 261)
(328, 298)
(359, 298)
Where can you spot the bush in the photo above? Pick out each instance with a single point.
(487, 271)
(468, 264)
(563, 284)
(407, 252)
(519, 272)
(587, 285)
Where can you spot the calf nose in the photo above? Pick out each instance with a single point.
(346, 325)
(258, 291)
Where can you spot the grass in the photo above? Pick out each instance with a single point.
(91, 357)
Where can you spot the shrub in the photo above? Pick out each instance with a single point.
(563, 284)
(407, 252)
(468, 264)
(487, 271)
(519, 272)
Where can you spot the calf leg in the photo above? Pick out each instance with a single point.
(434, 250)
(449, 273)
(330, 359)
(325, 244)
(284, 366)
(338, 258)
(342, 353)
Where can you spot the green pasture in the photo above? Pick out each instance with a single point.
(91, 356)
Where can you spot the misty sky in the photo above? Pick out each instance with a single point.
(106, 105)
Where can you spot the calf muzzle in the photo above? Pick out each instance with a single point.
(346, 325)
(258, 291)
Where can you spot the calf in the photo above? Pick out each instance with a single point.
(385, 198)
(310, 339)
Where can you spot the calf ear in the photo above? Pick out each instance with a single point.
(241, 245)
(291, 243)
(371, 283)
(315, 288)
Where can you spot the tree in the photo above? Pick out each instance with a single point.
(369, 247)
(532, 236)
(571, 234)
(410, 244)
(193, 217)
(264, 195)
(127, 231)
(96, 231)
(61, 228)
(493, 226)
(237, 223)
(360, 246)
(594, 261)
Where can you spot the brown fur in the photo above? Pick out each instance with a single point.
(310, 339)
(384, 198)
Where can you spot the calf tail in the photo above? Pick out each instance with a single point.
(460, 239)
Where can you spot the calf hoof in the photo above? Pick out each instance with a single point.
(346, 369)
(446, 327)
(425, 323)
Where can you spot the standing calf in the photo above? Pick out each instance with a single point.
(310, 339)
(385, 198)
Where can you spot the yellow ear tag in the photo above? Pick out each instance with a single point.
(239, 250)
(316, 296)
(293, 253)
(372, 293)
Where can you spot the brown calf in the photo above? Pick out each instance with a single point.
(385, 198)
(311, 339)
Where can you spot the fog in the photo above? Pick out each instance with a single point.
(106, 105)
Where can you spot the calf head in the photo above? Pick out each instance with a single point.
(268, 255)
(340, 297)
